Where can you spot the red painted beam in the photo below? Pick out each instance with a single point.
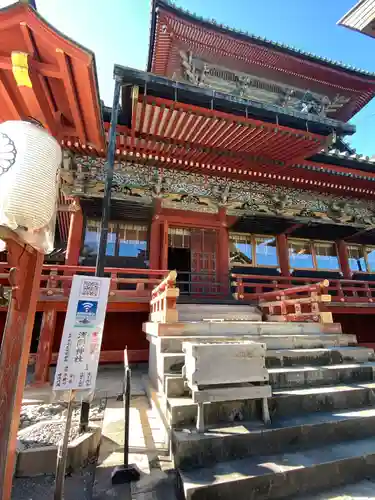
(71, 93)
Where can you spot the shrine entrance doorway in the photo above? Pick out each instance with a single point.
(192, 252)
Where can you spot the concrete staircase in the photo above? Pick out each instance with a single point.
(322, 410)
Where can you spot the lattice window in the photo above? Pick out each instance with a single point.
(132, 240)
(314, 255)
(178, 237)
(252, 250)
(92, 237)
(361, 258)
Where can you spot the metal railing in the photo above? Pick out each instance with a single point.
(202, 284)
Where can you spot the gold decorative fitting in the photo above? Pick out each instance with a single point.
(20, 69)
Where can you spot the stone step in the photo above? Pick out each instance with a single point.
(182, 412)
(201, 312)
(294, 376)
(219, 316)
(361, 490)
(312, 376)
(274, 342)
(175, 387)
(224, 328)
(324, 356)
(245, 439)
(280, 476)
(218, 311)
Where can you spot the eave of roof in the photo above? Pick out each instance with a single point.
(354, 161)
(160, 86)
(245, 36)
(26, 12)
(359, 17)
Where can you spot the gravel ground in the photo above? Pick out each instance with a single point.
(78, 486)
(47, 434)
(31, 414)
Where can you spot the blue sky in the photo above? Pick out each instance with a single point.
(118, 32)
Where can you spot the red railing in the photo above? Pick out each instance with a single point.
(250, 287)
(126, 283)
(163, 300)
(299, 303)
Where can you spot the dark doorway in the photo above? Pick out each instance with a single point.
(180, 260)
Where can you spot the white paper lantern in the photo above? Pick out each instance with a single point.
(29, 163)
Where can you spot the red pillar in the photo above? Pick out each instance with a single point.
(223, 251)
(342, 251)
(75, 236)
(282, 247)
(155, 237)
(14, 354)
(164, 252)
(44, 354)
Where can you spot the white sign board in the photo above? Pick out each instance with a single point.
(78, 360)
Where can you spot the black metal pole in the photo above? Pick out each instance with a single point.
(108, 183)
(100, 261)
(126, 472)
(127, 415)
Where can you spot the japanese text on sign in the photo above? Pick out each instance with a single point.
(78, 359)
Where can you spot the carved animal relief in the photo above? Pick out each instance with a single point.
(188, 191)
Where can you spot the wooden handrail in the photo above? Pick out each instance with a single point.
(126, 283)
(300, 303)
(278, 294)
(168, 282)
(251, 287)
(163, 300)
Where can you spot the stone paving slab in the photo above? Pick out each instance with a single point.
(147, 441)
(359, 491)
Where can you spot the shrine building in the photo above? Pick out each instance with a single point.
(232, 167)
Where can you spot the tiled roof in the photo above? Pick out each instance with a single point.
(258, 39)
(330, 171)
(343, 154)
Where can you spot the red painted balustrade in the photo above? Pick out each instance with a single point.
(299, 303)
(342, 291)
(126, 283)
(163, 300)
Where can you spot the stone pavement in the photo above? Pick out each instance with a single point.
(360, 491)
(148, 450)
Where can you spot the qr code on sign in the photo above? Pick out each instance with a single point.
(90, 288)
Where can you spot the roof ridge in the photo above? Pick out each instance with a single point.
(276, 45)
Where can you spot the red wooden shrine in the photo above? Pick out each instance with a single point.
(231, 167)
